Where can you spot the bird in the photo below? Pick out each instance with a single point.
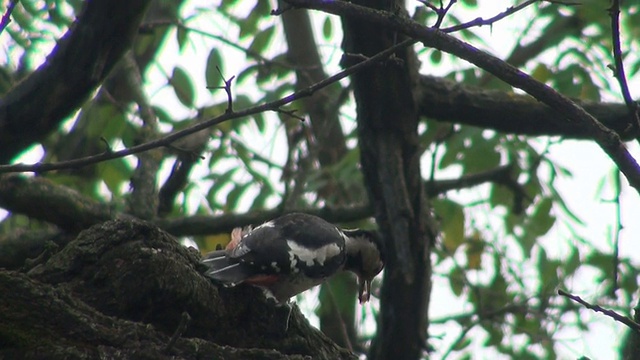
(293, 253)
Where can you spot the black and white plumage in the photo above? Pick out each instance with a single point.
(293, 253)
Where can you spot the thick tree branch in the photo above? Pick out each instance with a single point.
(72, 211)
(573, 114)
(82, 59)
(203, 225)
(128, 277)
(445, 100)
(44, 200)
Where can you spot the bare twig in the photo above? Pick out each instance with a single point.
(458, 341)
(618, 69)
(291, 113)
(441, 11)
(429, 5)
(168, 139)
(227, 89)
(182, 326)
(480, 21)
(597, 308)
(281, 10)
(501, 175)
(6, 18)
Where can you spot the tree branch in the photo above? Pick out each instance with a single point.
(573, 114)
(167, 140)
(618, 69)
(445, 100)
(6, 18)
(72, 211)
(597, 308)
(81, 60)
(217, 224)
(481, 22)
(59, 205)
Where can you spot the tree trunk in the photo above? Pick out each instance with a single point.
(388, 136)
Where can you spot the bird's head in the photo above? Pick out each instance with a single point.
(365, 258)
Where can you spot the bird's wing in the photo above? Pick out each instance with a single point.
(295, 242)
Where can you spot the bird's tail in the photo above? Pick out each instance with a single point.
(225, 270)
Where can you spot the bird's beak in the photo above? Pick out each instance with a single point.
(365, 290)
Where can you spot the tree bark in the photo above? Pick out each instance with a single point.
(121, 289)
(387, 130)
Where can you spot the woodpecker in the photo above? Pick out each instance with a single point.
(293, 253)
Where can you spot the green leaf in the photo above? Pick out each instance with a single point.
(163, 115)
(500, 195)
(211, 74)
(220, 181)
(456, 281)
(260, 122)
(114, 173)
(262, 39)
(260, 201)
(542, 220)
(327, 28)
(572, 262)
(542, 73)
(481, 155)
(474, 249)
(182, 86)
(182, 35)
(338, 295)
(462, 344)
(233, 197)
(248, 73)
(452, 224)
(436, 56)
(548, 270)
(602, 261)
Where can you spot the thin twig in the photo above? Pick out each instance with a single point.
(182, 326)
(458, 341)
(168, 139)
(618, 70)
(6, 18)
(480, 21)
(227, 89)
(441, 12)
(597, 308)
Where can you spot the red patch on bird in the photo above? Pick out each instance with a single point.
(262, 280)
(236, 235)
